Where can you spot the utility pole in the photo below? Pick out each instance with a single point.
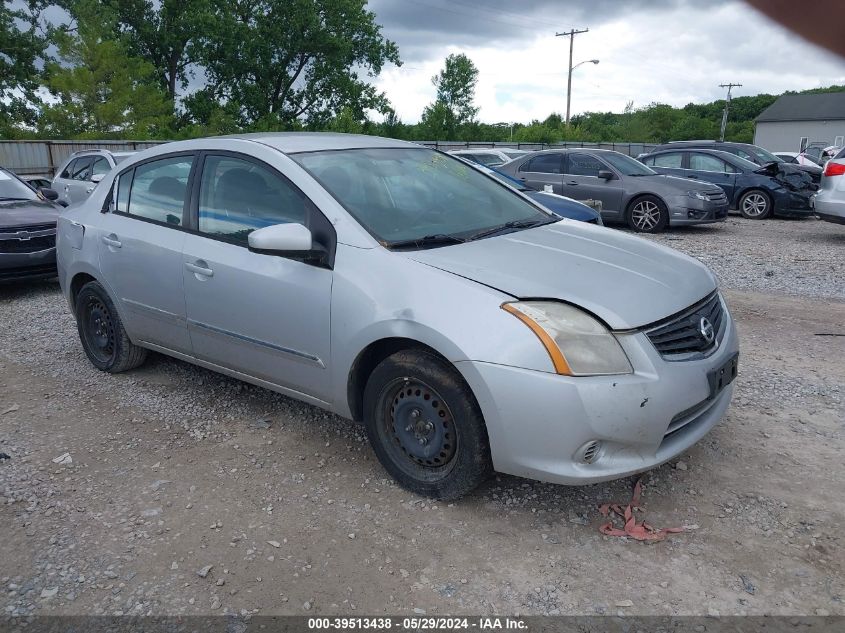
(727, 105)
(571, 33)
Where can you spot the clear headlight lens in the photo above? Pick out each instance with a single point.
(698, 195)
(577, 343)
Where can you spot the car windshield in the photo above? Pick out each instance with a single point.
(13, 189)
(765, 155)
(627, 165)
(743, 163)
(402, 194)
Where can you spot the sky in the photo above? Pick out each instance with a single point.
(666, 51)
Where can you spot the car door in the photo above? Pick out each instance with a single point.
(581, 182)
(543, 171)
(60, 182)
(713, 169)
(263, 315)
(79, 181)
(140, 247)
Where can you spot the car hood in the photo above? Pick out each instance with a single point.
(17, 213)
(624, 280)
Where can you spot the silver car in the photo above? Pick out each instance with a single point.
(829, 202)
(468, 328)
(78, 176)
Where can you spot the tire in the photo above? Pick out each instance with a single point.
(425, 425)
(101, 331)
(647, 214)
(755, 204)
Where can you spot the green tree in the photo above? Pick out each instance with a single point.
(456, 88)
(161, 32)
(21, 48)
(282, 61)
(99, 90)
(438, 123)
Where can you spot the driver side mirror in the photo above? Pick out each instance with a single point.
(97, 177)
(606, 174)
(49, 194)
(290, 240)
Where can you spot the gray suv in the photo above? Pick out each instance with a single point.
(629, 191)
(79, 175)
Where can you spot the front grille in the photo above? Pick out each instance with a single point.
(28, 239)
(681, 337)
(718, 197)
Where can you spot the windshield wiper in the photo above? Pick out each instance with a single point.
(513, 224)
(438, 239)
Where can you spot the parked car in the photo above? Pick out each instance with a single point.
(560, 205)
(488, 157)
(821, 152)
(753, 153)
(77, 178)
(804, 162)
(512, 153)
(27, 230)
(829, 202)
(757, 192)
(37, 182)
(469, 328)
(629, 191)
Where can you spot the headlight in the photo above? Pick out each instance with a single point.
(576, 342)
(698, 195)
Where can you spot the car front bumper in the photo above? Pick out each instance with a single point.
(685, 211)
(538, 422)
(27, 266)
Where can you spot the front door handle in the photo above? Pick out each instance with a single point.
(111, 240)
(89, 190)
(200, 268)
(571, 182)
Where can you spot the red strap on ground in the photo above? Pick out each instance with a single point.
(639, 531)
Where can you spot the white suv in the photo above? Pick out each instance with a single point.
(79, 175)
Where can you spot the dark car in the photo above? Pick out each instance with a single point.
(629, 191)
(757, 192)
(27, 230)
(560, 205)
(749, 152)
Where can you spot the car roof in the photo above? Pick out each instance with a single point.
(473, 150)
(294, 142)
(703, 150)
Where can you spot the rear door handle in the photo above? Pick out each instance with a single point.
(111, 240)
(571, 182)
(89, 190)
(200, 268)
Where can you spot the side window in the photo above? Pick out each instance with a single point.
(647, 161)
(544, 164)
(584, 165)
(121, 195)
(743, 154)
(238, 196)
(705, 162)
(672, 161)
(67, 171)
(100, 166)
(82, 169)
(159, 189)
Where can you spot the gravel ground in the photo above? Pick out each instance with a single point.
(185, 492)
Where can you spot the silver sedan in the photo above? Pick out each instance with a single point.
(468, 328)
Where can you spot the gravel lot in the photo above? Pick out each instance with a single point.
(191, 493)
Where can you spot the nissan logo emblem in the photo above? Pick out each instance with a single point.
(706, 330)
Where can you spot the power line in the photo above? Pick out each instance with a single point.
(727, 105)
(571, 33)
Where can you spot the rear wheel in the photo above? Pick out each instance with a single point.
(755, 205)
(425, 425)
(101, 331)
(648, 214)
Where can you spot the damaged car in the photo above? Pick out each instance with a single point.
(470, 329)
(757, 192)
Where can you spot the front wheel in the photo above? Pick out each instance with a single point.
(425, 425)
(101, 331)
(755, 205)
(648, 214)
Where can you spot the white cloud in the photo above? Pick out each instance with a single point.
(675, 55)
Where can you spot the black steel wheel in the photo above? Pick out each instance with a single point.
(101, 331)
(425, 425)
